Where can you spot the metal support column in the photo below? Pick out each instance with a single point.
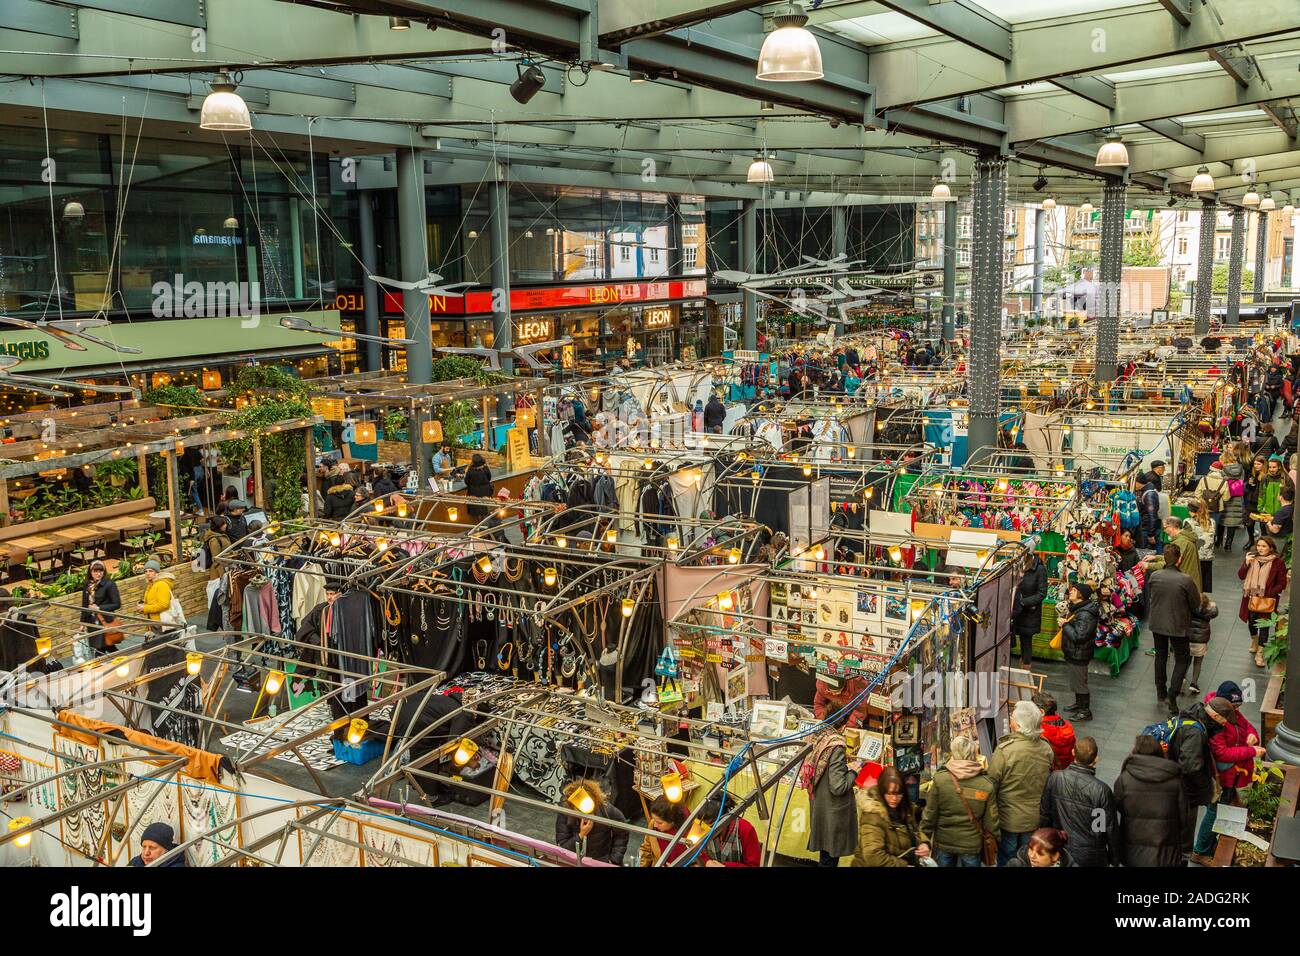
(415, 263)
(950, 213)
(840, 243)
(1204, 267)
(1285, 744)
(1036, 296)
(1236, 259)
(749, 263)
(988, 208)
(370, 262)
(502, 325)
(1111, 272)
(1261, 254)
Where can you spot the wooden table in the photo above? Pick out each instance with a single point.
(118, 525)
(33, 543)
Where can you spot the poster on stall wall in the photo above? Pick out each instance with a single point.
(868, 617)
(1109, 443)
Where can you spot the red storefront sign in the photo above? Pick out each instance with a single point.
(554, 297)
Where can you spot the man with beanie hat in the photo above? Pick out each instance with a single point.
(157, 839)
(1190, 747)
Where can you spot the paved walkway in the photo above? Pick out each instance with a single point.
(1123, 705)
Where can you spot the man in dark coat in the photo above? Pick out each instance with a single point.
(1189, 747)
(1148, 502)
(1075, 801)
(715, 413)
(1170, 598)
(1152, 808)
(340, 496)
(1027, 609)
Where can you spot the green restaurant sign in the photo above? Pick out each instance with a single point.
(28, 351)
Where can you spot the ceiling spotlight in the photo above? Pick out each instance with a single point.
(224, 109)
(1049, 203)
(399, 23)
(1040, 184)
(1112, 152)
(530, 81)
(760, 171)
(941, 191)
(1202, 182)
(1251, 198)
(790, 52)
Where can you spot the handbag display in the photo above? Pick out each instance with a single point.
(1261, 604)
(988, 845)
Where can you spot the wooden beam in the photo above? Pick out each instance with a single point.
(259, 494)
(309, 443)
(173, 504)
(144, 475)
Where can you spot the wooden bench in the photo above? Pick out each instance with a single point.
(70, 532)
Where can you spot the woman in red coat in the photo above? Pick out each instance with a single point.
(1263, 575)
(1234, 749)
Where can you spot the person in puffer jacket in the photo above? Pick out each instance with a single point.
(1152, 807)
(1198, 638)
(1234, 749)
(1083, 806)
(1078, 644)
(1057, 731)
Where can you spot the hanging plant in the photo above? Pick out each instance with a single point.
(458, 420)
(181, 399)
(283, 453)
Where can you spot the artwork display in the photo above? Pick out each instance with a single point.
(83, 831)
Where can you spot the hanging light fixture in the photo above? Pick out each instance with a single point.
(17, 823)
(672, 542)
(672, 784)
(230, 223)
(1288, 210)
(561, 541)
(549, 576)
(122, 668)
(43, 646)
(699, 830)
(74, 210)
(611, 536)
(224, 110)
(1049, 203)
(472, 234)
(940, 191)
(274, 681)
(1202, 182)
(485, 564)
(1112, 152)
(399, 23)
(628, 607)
(528, 234)
(1267, 203)
(357, 730)
(1086, 208)
(1251, 198)
(379, 506)
(760, 171)
(895, 554)
(790, 52)
(193, 663)
(364, 434)
(453, 513)
(465, 751)
(733, 556)
(724, 601)
(211, 379)
(807, 469)
(582, 801)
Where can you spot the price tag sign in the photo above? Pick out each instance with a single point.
(517, 447)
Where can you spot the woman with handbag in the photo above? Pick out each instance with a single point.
(1263, 576)
(99, 599)
(960, 822)
(1234, 505)
(825, 774)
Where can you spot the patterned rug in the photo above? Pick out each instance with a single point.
(318, 752)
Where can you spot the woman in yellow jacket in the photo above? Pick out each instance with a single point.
(157, 592)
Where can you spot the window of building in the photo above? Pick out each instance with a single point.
(963, 257)
(964, 227)
(691, 255)
(1221, 246)
(624, 254)
(654, 255)
(1182, 246)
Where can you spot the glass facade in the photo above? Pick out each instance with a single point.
(119, 215)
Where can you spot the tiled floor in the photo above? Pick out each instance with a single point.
(1122, 706)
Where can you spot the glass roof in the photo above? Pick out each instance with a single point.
(1023, 11)
(880, 28)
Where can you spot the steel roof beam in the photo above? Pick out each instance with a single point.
(623, 20)
(1173, 130)
(1095, 89)
(962, 20)
(1180, 10)
(1283, 117)
(1084, 44)
(37, 16)
(1241, 68)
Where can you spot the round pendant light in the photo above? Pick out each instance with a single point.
(1049, 203)
(1251, 198)
(1288, 210)
(940, 191)
(224, 109)
(74, 210)
(1266, 204)
(472, 234)
(1202, 182)
(760, 171)
(230, 223)
(1086, 207)
(790, 52)
(1112, 152)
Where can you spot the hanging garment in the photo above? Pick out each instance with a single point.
(352, 629)
(308, 589)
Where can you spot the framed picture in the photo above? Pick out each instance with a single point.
(907, 730)
(768, 718)
(1159, 315)
(737, 685)
(475, 860)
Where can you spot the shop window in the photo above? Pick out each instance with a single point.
(624, 254)
(690, 256)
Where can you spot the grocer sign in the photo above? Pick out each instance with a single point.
(28, 351)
